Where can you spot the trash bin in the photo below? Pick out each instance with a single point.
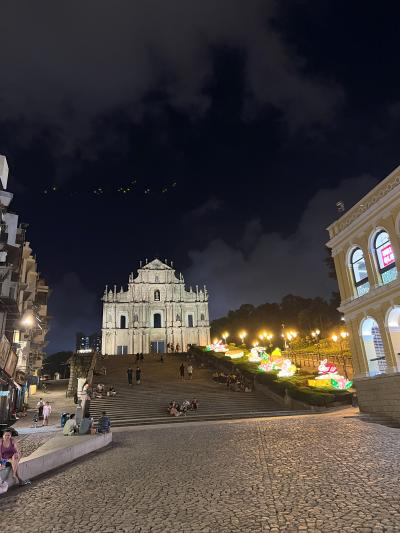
(64, 417)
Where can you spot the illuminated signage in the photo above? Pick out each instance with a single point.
(387, 255)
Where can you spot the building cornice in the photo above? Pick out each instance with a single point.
(384, 192)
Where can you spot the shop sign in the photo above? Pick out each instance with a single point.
(387, 255)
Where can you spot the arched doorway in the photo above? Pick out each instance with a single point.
(373, 346)
(393, 322)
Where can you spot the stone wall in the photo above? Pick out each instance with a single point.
(380, 395)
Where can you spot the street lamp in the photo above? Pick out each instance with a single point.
(316, 335)
(242, 336)
(339, 338)
(225, 335)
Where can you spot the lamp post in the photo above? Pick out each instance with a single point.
(316, 335)
(225, 335)
(242, 336)
(339, 338)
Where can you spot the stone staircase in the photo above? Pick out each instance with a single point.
(147, 403)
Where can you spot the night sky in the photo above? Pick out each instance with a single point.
(218, 134)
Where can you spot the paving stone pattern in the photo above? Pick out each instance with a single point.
(313, 474)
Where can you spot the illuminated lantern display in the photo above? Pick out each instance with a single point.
(329, 377)
(234, 353)
(217, 346)
(258, 354)
(285, 367)
(287, 370)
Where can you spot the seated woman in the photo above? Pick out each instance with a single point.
(10, 456)
(174, 411)
(111, 392)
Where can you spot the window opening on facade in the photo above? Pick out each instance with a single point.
(122, 322)
(190, 321)
(385, 257)
(359, 271)
(202, 317)
(157, 320)
(157, 295)
(373, 345)
(122, 350)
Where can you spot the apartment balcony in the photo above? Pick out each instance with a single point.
(9, 293)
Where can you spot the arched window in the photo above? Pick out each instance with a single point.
(359, 270)
(190, 321)
(202, 317)
(385, 257)
(122, 322)
(157, 295)
(373, 346)
(393, 323)
(157, 320)
(135, 318)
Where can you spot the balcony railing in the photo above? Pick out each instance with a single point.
(9, 291)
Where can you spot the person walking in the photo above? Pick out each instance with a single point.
(40, 406)
(182, 371)
(190, 370)
(130, 373)
(138, 375)
(142, 357)
(46, 413)
(137, 358)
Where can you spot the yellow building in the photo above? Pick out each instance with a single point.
(365, 244)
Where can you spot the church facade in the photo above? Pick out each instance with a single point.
(156, 314)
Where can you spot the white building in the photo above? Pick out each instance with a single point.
(156, 313)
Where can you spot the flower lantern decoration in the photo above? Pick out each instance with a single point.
(328, 376)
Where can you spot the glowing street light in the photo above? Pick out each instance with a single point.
(242, 335)
(255, 344)
(344, 334)
(225, 335)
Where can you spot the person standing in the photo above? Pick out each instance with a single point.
(138, 375)
(182, 371)
(137, 358)
(142, 357)
(40, 406)
(190, 370)
(130, 373)
(46, 413)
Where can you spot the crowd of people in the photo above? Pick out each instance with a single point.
(234, 382)
(177, 409)
(86, 425)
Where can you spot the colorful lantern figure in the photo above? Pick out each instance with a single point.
(217, 347)
(258, 354)
(266, 367)
(329, 377)
(288, 369)
(285, 367)
(234, 353)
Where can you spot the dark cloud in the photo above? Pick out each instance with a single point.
(73, 308)
(275, 265)
(66, 63)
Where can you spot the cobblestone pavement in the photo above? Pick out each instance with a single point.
(29, 443)
(312, 473)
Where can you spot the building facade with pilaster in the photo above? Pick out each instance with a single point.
(365, 244)
(156, 313)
